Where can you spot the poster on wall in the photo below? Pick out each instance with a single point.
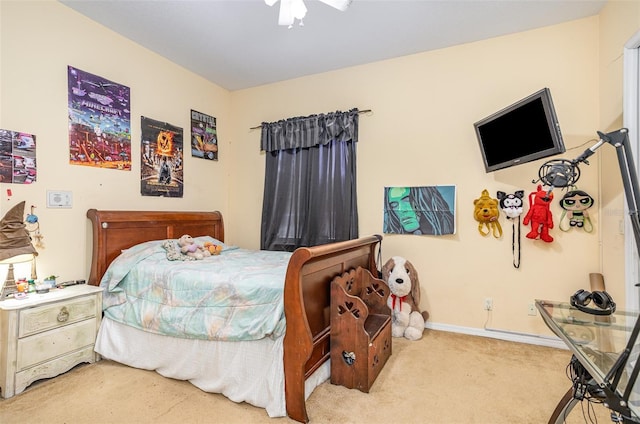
(17, 157)
(99, 121)
(204, 136)
(161, 153)
(427, 210)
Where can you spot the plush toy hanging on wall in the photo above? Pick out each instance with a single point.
(33, 227)
(575, 204)
(486, 212)
(539, 215)
(512, 206)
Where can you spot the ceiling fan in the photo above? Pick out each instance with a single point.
(290, 10)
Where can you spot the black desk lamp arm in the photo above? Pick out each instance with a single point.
(620, 140)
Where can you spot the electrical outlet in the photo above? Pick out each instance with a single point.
(488, 304)
(532, 309)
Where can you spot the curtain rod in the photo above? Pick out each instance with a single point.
(359, 112)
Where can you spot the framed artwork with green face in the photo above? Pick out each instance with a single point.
(426, 210)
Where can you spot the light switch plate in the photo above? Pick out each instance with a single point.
(59, 199)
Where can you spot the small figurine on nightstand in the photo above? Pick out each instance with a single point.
(23, 288)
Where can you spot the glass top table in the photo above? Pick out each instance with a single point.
(597, 341)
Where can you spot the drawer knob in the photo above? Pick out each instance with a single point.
(63, 315)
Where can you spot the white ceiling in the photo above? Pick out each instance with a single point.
(238, 43)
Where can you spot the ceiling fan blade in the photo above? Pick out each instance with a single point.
(290, 10)
(285, 17)
(341, 5)
(298, 9)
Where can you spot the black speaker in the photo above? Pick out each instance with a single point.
(602, 299)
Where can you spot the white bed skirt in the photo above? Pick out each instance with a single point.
(243, 371)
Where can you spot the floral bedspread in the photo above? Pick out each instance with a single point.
(237, 295)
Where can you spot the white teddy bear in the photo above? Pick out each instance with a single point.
(402, 279)
(189, 247)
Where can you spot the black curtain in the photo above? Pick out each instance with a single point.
(310, 181)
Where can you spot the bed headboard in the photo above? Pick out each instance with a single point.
(117, 230)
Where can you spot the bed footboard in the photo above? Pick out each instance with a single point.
(307, 304)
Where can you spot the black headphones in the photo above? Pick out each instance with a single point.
(602, 299)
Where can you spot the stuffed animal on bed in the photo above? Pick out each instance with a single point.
(404, 300)
(189, 247)
(213, 248)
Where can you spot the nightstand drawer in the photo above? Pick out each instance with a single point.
(44, 346)
(46, 317)
(54, 367)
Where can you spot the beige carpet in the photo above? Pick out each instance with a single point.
(443, 378)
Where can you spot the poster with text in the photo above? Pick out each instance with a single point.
(17, 157)
(428, 210)
(99, 121)
(204, 136)
(161, 164)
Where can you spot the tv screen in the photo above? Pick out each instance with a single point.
(522, 132)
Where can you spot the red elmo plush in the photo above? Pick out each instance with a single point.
(540, 215)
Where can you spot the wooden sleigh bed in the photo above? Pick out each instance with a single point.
(306, 288)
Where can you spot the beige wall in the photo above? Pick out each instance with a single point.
(39, 39)
(419, 133)
(619, 21)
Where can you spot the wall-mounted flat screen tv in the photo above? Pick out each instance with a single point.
(522, 132)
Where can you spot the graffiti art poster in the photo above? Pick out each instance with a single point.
(161, 151)
(99, 121)
(204, 136)
(428, 210)
(17, 157)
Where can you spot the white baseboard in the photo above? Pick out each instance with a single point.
(507, 335)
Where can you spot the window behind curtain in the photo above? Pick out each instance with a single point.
(310, 181)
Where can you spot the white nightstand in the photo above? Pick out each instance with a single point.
(47, 334)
